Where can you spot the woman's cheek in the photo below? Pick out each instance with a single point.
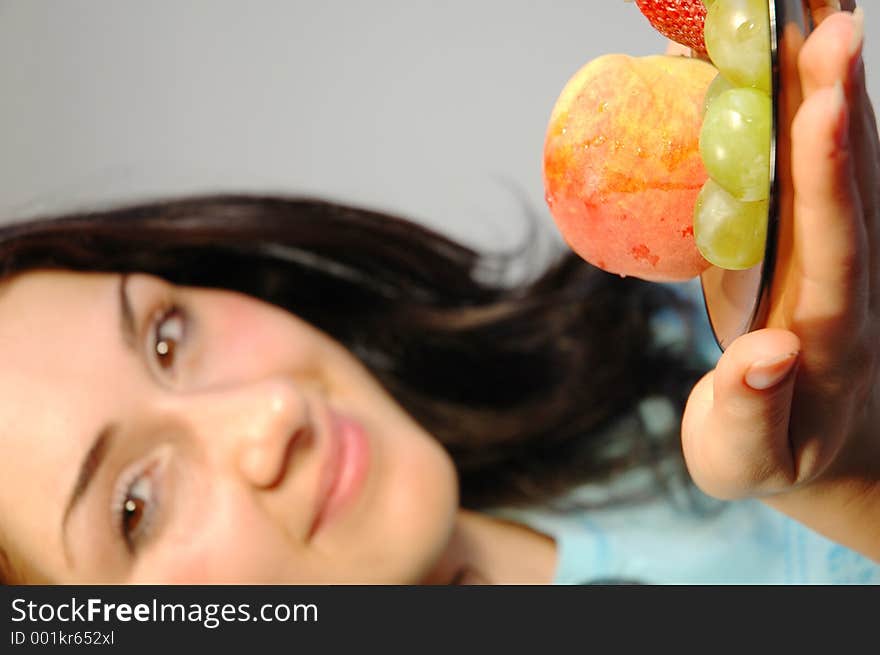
(236, 339)
(229, 543)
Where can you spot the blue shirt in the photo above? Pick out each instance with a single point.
(665, 541)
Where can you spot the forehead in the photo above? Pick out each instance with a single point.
(54, 328)
(61, 351)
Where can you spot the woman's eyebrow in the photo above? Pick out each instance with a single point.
(101, 444)
(126, 314)
(87, 470)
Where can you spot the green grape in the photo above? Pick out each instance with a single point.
(735, 142)
(729, 233)
(737, 34)
(718, 86)
(708, 3)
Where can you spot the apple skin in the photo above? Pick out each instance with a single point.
(622, 165)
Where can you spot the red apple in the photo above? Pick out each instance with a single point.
(622, 165)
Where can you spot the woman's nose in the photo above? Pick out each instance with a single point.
(256, 426)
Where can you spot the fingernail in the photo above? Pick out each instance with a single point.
(768, 373)
(858, 35)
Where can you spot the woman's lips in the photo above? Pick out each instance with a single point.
(345, 468)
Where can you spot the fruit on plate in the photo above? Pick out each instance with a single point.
(657, 166)
(678, 20)
(737, 35)
(730, 217)
(730, 233)
(622, 165)
(735, 142)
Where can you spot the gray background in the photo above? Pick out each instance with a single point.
(436, 110)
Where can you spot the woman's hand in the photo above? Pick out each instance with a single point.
(791, 413)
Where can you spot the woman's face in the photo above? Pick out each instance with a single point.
(159, 434)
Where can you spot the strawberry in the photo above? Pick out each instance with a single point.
(678, 20)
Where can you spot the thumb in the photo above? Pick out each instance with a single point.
(735, 432)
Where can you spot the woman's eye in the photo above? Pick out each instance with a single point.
(167, 337)
(136, 510)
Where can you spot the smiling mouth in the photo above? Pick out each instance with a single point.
(344, 470)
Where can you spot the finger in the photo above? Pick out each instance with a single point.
(864, 134)
(735, 426)
(827, 55)
(830, 253)
(832, 53)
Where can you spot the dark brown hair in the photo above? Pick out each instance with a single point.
(520, 382)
